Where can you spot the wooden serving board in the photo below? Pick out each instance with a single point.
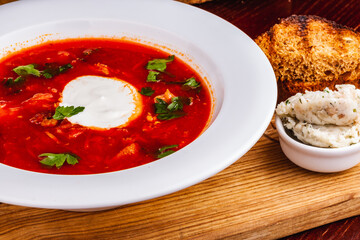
(261, 196)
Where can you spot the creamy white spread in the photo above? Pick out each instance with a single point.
(108, 102)
(324, 118)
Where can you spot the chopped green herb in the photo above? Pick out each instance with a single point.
(175, 105)
(166, 151)
(160, 106)
(162, 149)
(47, 74)
(27, 70)
(159, 64)
(287, 102)
(30, 70)
(62, 112)
(147, 91)
(170, 115)
(58, 159)
(170, 111)
(65, 67)
(152, 76)
(192, 83)
(164, 154)
(11, 81)
(327, 91)
(52, 71)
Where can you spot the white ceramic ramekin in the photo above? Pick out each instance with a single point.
(317, 159)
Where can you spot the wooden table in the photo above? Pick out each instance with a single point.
(261, 196)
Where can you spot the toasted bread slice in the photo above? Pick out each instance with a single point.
(311, 53)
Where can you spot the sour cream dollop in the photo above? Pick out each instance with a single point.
(108, 102)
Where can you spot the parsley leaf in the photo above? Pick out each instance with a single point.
(27, 70)
(191, 83)
(147, 91)
(170, 115)
(164, 151)
(46, 74)
(65, 67)
(175, 105)
(152, 76)
(11, 81)
(160, 106)
(159, 64)
(52, 71)
(169, 111)
(58, 160)
(23, 72)
(30, 70)
(62, 112)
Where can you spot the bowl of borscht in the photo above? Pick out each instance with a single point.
(107, 103)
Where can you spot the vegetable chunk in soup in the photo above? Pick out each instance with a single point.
(83, 106)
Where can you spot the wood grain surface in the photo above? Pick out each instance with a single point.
(261, 196)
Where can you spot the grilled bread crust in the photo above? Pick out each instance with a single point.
(311, 53)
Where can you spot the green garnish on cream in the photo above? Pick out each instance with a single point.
(62, 112)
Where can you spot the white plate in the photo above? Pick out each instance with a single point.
(238, 72)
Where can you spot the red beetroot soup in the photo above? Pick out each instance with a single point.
(176, 107)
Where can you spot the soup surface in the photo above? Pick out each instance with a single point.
(40, 128)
